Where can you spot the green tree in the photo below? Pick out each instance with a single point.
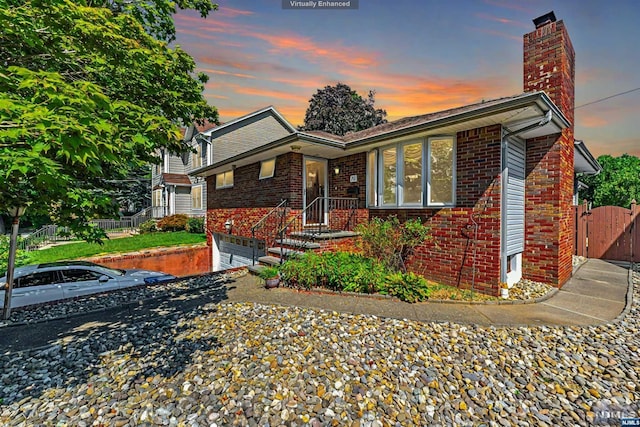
(87, 95)
(618, 183)
(339, 109)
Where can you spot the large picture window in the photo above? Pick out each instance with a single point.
(224, 179)
(416, 173)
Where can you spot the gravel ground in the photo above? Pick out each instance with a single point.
(251, 364)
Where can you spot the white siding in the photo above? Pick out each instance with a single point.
(246, 136)
(515, 197)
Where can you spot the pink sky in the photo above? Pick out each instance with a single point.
(418, 59)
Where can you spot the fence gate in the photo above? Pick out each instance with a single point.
(608, 232)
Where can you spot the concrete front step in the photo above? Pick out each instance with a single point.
(269, 260)
(300, 244)
(324, 235)
(284, 252)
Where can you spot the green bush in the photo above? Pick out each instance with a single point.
(342, 271)
(269, 272)
(22, 257)
(195, 225)
(408, 287)
(148, 227)
(177, 222)
(390, 242)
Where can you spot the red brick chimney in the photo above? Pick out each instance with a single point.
(549, 66)
(549, 63)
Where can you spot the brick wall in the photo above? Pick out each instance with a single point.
(181, 261)
(549, 65)
(449, 257)
(250, 192)
(350, 165)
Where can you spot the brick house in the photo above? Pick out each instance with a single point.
(494, 180)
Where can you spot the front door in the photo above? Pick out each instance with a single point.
(315, 185)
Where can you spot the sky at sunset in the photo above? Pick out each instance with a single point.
(419, 57)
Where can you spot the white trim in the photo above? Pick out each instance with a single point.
(262, 166)
(454, 157)
(425, 178)
(305, 202)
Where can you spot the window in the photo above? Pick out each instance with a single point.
(224, 179)
(441, 171)
(196, 197)
(412, 174)
(196, 158)
(157, 198)
(267, 168)
(416, 173)
(372, 178)
(70, 276)
(37, 279)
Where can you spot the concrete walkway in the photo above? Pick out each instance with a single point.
(597, 293)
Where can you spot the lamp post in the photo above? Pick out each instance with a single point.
(15, 213)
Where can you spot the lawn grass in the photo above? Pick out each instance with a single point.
(444, 292)
(120, 245)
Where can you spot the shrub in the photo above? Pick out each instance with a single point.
(148, 227)
(334, 270)
(408, 287)
(390, 242)
(269, 272)
(195, 225)
(175, 222)
(22, 257)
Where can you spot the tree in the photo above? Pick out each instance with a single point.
(339, 110)
(618, 183)
(87, 95)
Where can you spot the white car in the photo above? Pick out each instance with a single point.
(36, 284)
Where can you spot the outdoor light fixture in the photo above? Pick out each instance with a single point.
(336, 169)
(228, 225)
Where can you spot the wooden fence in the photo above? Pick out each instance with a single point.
(608, 232)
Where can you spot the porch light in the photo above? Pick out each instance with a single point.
(228, 225)
(336, 169)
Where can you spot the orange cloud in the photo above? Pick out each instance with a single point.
(229, 12)
(283, 43)
(593, 121)
(226, 73)
(286, 42)
(277, 95)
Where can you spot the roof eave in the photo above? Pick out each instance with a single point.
(524, 100)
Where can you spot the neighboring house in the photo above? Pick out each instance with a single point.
(173, 191)
(494, 180)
